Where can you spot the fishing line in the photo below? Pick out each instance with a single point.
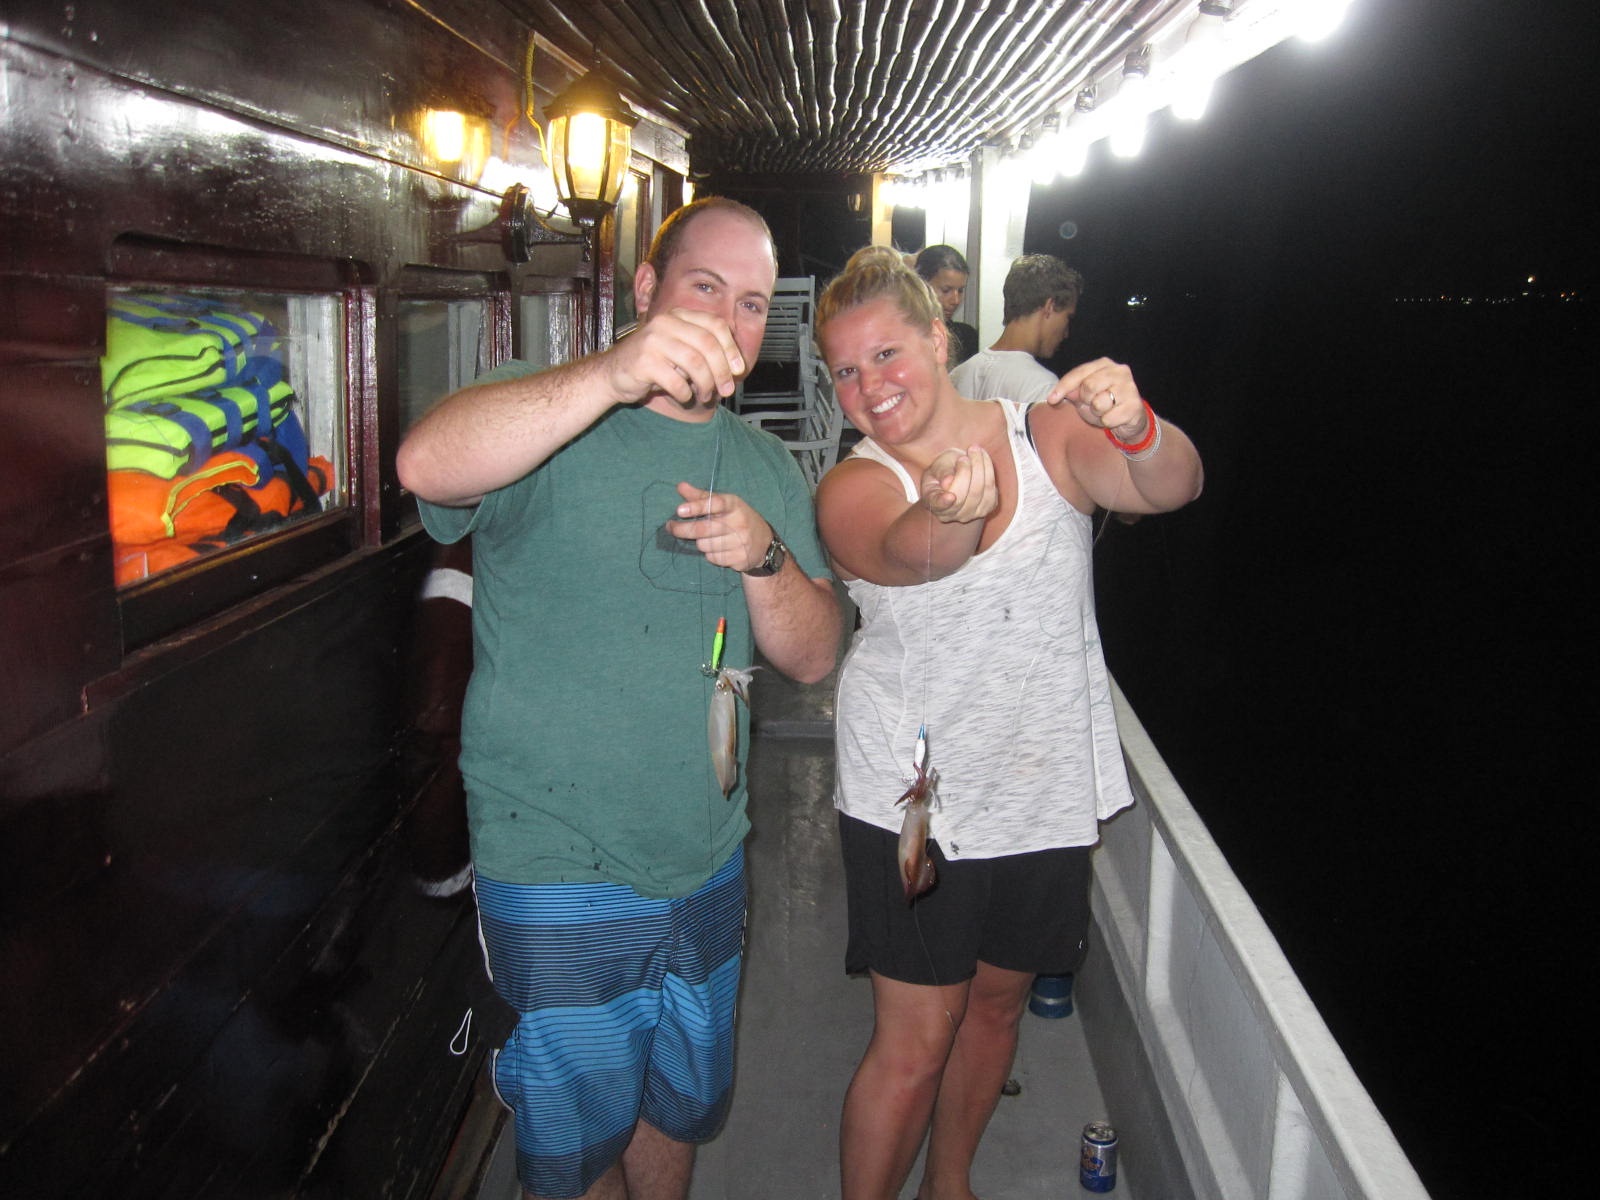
(711, 495)
(927, 620)
(1106, 517)
(709, 667)
(1115, 496)
(927, 625)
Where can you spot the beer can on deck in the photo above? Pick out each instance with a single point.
(1097, 1165)
(1051, 996)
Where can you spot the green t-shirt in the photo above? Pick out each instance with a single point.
(584, 744)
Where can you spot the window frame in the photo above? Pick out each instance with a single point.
(190, 594)
(422, 281)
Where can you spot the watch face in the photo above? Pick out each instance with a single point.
(772, 562)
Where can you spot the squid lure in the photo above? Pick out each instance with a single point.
(916, 867)
(722, 723)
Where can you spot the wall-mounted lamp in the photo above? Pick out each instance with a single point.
(522, 228)
(589, 145)
(590, 140)
(518, 228)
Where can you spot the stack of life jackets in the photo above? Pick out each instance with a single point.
(203, 445)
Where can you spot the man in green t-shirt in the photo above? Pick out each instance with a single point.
(619, 515)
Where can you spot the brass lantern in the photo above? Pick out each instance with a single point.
(590, 141)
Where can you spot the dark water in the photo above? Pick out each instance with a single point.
(1363, 655)
(1365, 651)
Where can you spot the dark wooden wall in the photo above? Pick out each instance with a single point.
(220, 975)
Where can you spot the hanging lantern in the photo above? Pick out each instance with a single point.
(590, 142)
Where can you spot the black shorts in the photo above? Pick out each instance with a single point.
(1021, 912)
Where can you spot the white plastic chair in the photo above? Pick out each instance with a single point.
(812, 434)
(800, 409)
(787, 352)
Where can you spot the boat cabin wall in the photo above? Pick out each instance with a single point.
(219, 797)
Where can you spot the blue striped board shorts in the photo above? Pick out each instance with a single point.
(626, 1009)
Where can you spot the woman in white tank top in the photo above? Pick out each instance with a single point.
(962, 530)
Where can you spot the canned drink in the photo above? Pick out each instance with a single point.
(1051, 996)
(1097, 1165)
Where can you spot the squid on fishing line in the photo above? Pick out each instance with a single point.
(916, 866)
(722, 725)
(722, 722)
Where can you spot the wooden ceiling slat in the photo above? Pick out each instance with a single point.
(967, 70)
(845, 85)
(569, 29)
(788, 35)
(762, 76)
(887, 41)
(855, 58)
(886, 142)
(974, 86)
(1072, 49)
(776, 120)
(802, 42)
(728, 60)
(1119, 29)
(846, 50)
(734, 52)
(904, 70)
(1006, 100)
(688, 47)
(948, 24)
(662, 68)
(824, 18)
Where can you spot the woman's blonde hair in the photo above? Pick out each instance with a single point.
(875, 272)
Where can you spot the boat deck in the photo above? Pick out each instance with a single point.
(803, 1023)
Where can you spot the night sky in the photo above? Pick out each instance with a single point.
(1362, 651)
(1429, 144)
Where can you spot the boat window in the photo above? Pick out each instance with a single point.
(225, 420)
(444, 344)
(546, 328)
(632, 226)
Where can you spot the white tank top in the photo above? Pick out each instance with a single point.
(1002, 662)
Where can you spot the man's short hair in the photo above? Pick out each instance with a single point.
(1035, 278)
(670, 236)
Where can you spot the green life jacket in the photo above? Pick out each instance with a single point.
(160, 345)
(177, 434)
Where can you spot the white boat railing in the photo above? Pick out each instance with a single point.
(1260, 1101)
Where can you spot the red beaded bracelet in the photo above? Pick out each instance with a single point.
(1143, 443)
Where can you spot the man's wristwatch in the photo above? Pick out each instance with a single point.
(773, 561)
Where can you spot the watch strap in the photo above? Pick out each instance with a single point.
(771, 562)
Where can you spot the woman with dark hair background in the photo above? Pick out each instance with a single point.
(946, 272)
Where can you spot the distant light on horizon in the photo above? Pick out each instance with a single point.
(1566, 296)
